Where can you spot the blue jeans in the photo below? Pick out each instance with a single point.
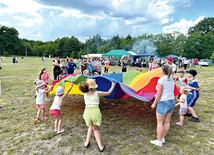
(165, 107)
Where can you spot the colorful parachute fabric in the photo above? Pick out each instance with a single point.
(136, 84)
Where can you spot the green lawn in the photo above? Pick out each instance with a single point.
(128, 124)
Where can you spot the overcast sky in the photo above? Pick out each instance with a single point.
(51, 19)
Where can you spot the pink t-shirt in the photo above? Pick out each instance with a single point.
(153, 66)
(45, 77)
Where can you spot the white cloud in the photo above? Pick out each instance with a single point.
(136, 20)
(81, 18)
(51, 13)
(182, 26)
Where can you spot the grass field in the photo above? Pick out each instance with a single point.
(128, 124)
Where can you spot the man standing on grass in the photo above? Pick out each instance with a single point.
(174, 68)
(56, 67)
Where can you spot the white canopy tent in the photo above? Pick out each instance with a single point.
(92, 55)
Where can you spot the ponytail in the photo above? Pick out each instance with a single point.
(167, 69)
(169, 72)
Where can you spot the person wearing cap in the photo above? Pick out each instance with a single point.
(182, 80)
(92, 114)
(56, 106)
(40, 90)
(193, 95)
(174, 68)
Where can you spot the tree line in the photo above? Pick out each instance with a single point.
(199, 43)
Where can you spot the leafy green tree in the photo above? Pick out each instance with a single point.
(9, 40)
(203, 27)
(212, 56)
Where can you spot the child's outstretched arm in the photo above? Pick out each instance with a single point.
(69, 89)
(48, 89)
(100, 93)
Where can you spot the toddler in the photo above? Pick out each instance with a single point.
(40, 90)
(55, 108)
(182, 101)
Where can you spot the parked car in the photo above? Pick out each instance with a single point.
(203, 62)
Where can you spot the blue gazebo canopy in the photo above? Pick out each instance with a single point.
(143, 54)
(173, 56)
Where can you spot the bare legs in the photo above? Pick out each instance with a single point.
(88, 135)
(58, 124)
(192, 111)
(163, 125)
(94, 128)
(38, 113)
(182, 119)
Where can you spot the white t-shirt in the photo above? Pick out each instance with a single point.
(91, 100)
(168, 88)
(183, 96)
(56, 103)
(173, 69)
(40, 96)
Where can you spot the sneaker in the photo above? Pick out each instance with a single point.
(55, 130)
(60, 131)
(156, 142)
(194, 119)
(188, 115)
(163, 140)
(179, 124)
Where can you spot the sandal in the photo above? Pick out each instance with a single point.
(44, 118)
(60, 131)
(86, 146)
(48, 99)
(102, 149)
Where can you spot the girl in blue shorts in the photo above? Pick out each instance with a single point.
(165, 102)
(92, 114)
(193, 95)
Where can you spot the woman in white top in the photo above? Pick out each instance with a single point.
(92, 114)
(165, 102)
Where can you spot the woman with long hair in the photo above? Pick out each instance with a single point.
(165, 102)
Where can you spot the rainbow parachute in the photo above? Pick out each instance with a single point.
(136, 84)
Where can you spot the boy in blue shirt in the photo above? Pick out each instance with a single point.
(193, 95)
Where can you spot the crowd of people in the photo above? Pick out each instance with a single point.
(164, 101)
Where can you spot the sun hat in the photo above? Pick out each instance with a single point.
(192, 71)
(39, 83)
(91, 83)
(59, 91)
(169, 58)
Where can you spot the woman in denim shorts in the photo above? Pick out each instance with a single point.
(165, 102)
